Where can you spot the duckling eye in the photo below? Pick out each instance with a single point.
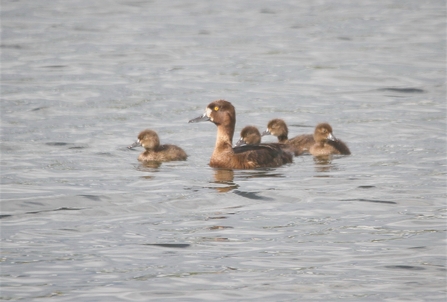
(216, 108)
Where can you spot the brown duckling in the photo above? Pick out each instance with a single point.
(326, 143)
(156, 152)
(299, 144)
(223, 115)
(250, 135)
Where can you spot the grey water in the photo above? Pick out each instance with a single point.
(83, 220)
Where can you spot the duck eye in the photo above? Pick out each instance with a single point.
(216, 108)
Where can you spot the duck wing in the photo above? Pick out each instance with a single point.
(301, 143)
(340, 146)
(264, 155)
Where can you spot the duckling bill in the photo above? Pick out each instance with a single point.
(223, 114)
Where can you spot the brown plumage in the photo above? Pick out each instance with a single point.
(156, 152)
(223, 115)
(326, 143)
(299, 144)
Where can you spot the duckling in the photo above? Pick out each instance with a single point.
(326, 143)
(156, 152)
(223, 114)
(299, 144)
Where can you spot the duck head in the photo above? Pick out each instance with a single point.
(323, 132)
(219, 112)
(148, 139)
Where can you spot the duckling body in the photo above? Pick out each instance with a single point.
(326, 143)
(223, 115)
(299, 144)
(156, 152)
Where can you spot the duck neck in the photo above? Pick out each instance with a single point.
(224, 139)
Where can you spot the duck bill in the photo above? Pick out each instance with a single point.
(202, 118)
(240, 142)
(136, 144)
(331, 137)
(266, 132)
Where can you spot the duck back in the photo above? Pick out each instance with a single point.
(163, 153)
(301, 144)
(254, 156)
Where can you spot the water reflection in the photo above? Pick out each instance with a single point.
(169, 245)
(151, 166)
(148, 167)
(251, 195)
(324, 164)
(225, 176)
(220, 227)
(45, 211)
(370, 200)
(259, 173)
(403, 90)
(215, 239)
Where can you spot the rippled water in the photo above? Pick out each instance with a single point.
(83, 220)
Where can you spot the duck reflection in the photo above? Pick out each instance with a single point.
(151, 164)
(225, 177)
(324, 164)
(148, 167)
(260, 174)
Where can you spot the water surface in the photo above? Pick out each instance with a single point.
(83, 220)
